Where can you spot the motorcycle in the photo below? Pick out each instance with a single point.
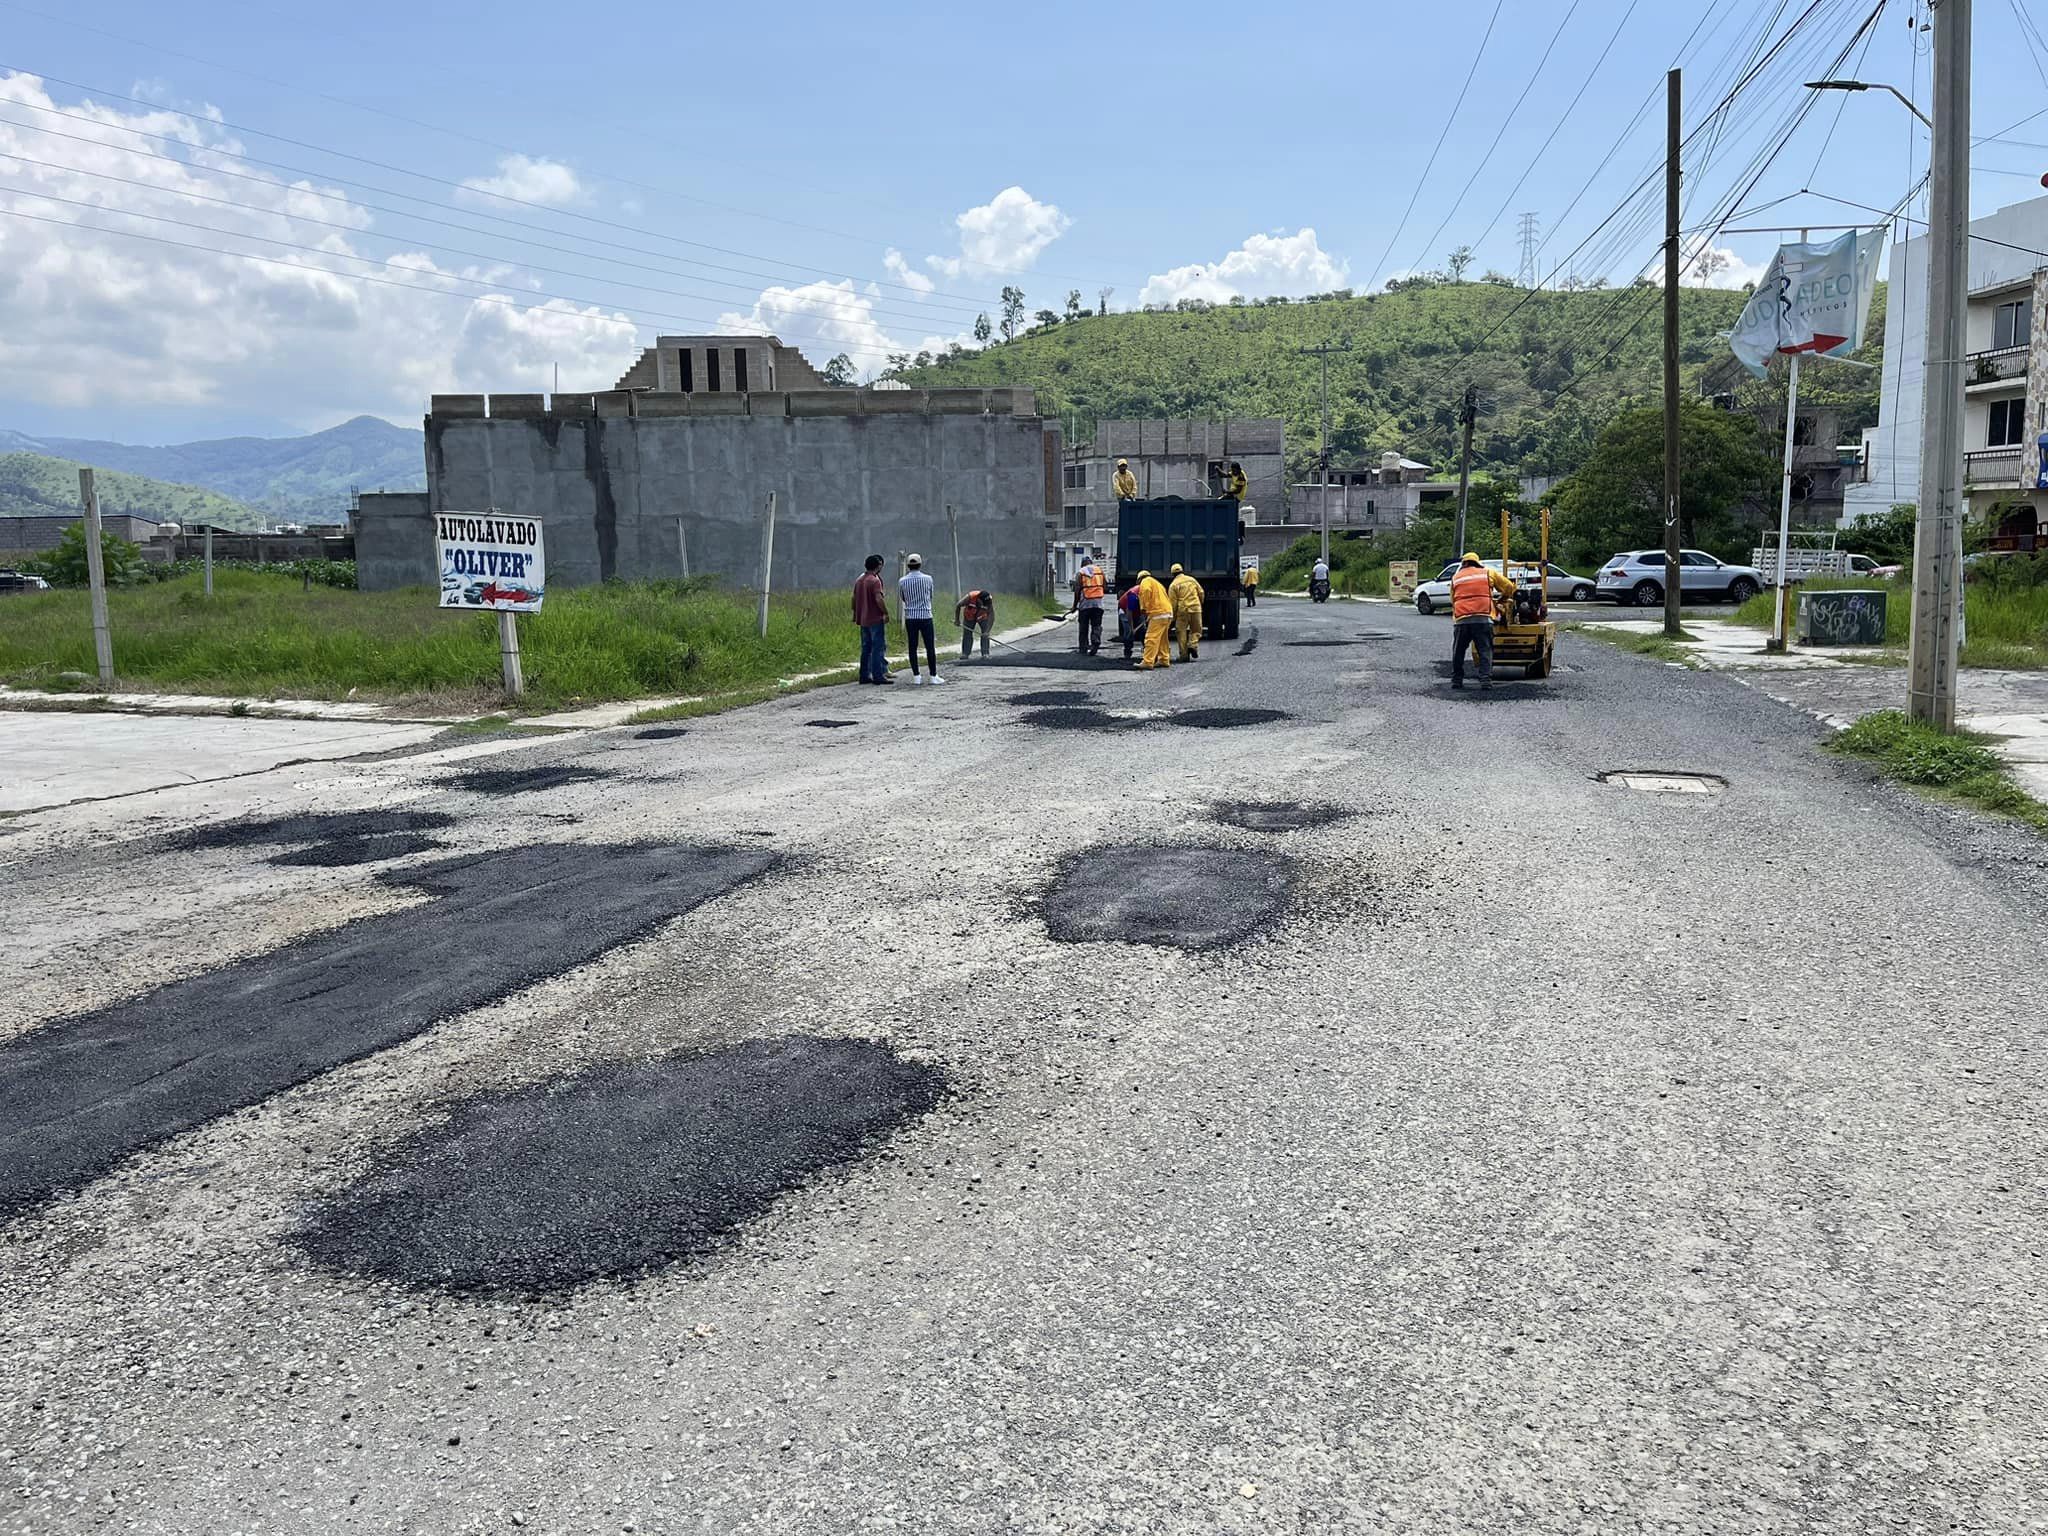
(1319, 589)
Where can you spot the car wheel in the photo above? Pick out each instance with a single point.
(1423, 605)
(1648, 594)
(1741, 590)
(1582, 593)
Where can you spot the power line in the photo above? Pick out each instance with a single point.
(1373, 281)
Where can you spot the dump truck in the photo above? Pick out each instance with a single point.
(1204, 537)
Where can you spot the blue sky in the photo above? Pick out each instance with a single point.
(860, 180)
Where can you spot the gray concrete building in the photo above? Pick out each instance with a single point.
(631, 483)
(720, 365)
(1382, 498)
(37, 535)
(1171, 458)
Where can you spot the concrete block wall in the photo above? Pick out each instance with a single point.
(610, 486)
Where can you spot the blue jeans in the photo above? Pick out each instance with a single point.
(874, 652)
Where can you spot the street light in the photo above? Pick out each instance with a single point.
(1867, 85)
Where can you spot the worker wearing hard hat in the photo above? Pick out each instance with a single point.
(1125, 484)
(1185, 593)
(1472, 592)
(1250, 584)
(1235, 484)
(1155, 612)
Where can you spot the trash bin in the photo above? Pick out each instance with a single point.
(1842, 616)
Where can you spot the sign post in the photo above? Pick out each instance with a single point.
(493, 563)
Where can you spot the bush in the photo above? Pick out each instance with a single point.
(68, 566)
(324, 573)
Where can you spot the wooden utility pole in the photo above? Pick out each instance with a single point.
(1322, 354)
(1468, 413)
(1673, 582)
(96, 577)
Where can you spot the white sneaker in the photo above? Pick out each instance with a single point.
(936, 679)
(917, 679)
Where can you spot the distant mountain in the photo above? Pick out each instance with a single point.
(37, 485)
(291, 478)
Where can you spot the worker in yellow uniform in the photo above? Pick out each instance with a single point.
(1185, 593)
(1235, 485)
(1251, 586)
(1155, 612)
(1472, 592)
(1125, 484)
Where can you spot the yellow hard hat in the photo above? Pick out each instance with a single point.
(1175, 571)
(1144, 575)
(1123, 463)
(1470, 558)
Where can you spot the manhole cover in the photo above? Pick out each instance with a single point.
(1651, 782)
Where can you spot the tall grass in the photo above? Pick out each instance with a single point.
(257, 636)
(2004, 626)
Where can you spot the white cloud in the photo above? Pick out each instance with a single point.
(89, 318)
(821, 319)
(1729, 269)
(1007, 233)
(530, 181)
(1265, 264)
(905, 273)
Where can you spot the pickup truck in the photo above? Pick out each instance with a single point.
(1205, 537)
(1803, 563)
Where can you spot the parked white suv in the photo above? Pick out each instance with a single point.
(1638, 577)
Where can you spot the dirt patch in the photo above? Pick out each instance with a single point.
(1225, 719)
(1185, 898)
(285, 831)
(1276, 815)
(618, 1172)
(522, 781)
(1046, 696)
(831, 725)
(1071, 718)
(341, 852)
(660, 733)
(80, 1094)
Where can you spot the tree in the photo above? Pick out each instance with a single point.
(840, 371)
(1013, 312)
(898, 361)
(1711, 261)
(1102, 300)
(924, 359)
(982, 329)
(1045, 317)
(1494, 275)
(1074, 309)
(1457, 264)
(66, 565)
(1614, 501)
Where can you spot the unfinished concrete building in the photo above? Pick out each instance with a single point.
(640, 484)
(720, 365)
(1174, 458)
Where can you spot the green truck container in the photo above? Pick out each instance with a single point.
(1204, 537)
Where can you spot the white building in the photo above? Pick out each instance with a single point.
(2005, 410)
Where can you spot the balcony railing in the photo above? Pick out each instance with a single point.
(1993, 466)
(1995, 365)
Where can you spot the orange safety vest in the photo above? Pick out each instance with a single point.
(1091, 583)
(977, 607)
(1471, 593)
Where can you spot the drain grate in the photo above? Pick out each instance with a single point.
(1657, 782)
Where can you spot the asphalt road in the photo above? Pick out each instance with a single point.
(1058, 1116)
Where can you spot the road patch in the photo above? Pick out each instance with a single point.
(1276, 815)
(623, 1170)
(1046, 696)
(1224, 719)
(80, 1094)
(1182, 898)
(660, 733)
(343, 852)
(521, 781)
(831, 725)
(313, 828)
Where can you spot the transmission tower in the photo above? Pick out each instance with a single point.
(1526, 274)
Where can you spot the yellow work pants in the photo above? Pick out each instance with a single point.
(1187, 627)
(1155, 641)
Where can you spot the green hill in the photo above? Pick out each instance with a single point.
(1550, 367)
(38, 485)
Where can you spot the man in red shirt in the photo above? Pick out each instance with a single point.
(871, 613)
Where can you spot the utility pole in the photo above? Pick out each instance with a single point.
(1781, 629)
(1672, 583)
(96, 578)
(1322, 353)
(1938, 530)
(1468, 413)
(767, 561)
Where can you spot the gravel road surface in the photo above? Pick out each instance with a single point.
(1278, 1094)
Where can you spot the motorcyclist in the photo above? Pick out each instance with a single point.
(1319, 580)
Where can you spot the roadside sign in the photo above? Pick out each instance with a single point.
(490, 561)
(1401, 576)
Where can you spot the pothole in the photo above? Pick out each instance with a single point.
(1224, 719)
(1072, 718)
(343, 852)
(521, 781)
(328, 827)
(1651, 781)
(1184, 898)
(1276, 815)
(831, 725)
(1046, 696)
(620, 1171)
(661, 733)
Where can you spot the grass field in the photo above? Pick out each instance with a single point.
(1949, 766)
(2003, 626)
(260, 638)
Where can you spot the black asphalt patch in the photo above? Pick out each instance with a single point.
(1301, 643)
(1112, 659)
(1186, 898)
(1276, 815)
(1072, 718)
(1225, 719)
(660, 733)
(831, 725)
(1054, 696)
(287, 831)
(341, 852)
(621, 1171)
(1251, 643)
(521, 781)
(80, 1094)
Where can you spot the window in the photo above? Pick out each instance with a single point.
(1077, 477)
(1694, 557)
(2013, 325)
(683, 357)
(739, 369)
(1802, 431)
(711, 369)
(1077, 517)
(2008, 424)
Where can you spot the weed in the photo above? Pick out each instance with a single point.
(1956, 766)
(1657, 647)
(2004, 625)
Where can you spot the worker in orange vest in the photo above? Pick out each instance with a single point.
(1472, 592)
(1155, 612)
(1090, 588)
(976, 610)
